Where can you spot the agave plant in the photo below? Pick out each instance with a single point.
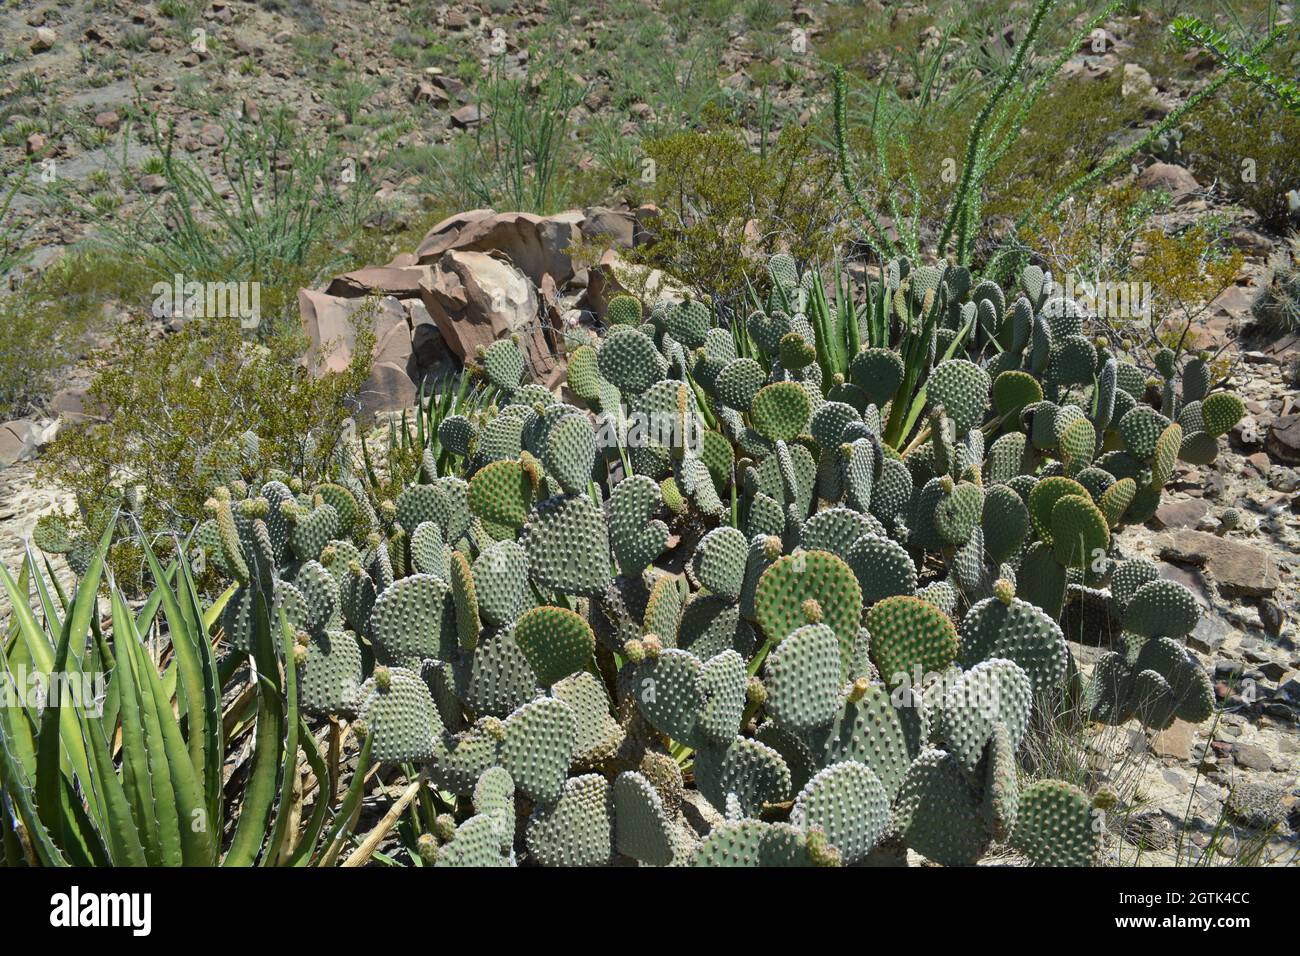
(135, 777)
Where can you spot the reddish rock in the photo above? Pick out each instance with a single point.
(212, 135)
(401, 283)
(1184, 513)
(18, 441)
(467, 116)
(1175, 741)
(536, 245)
(476, 298)
(330, 323)
(1174, 180)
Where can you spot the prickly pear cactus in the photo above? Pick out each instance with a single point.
(818, 576)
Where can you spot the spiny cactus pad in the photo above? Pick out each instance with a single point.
(1055, 826)
(907, 634)
(1161, 608)
(848, 802)
(399, 716)
(781, 599)
(556, 641)
(567, 545)
(780, 411)
(803, 678)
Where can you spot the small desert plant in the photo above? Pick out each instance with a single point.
(175, 412)
(1277, 303)
(725, 206)
(1246, 143)
(277, 214)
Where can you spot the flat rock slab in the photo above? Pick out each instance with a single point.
(1239, 570)
(1181, 512)
(1175, 741)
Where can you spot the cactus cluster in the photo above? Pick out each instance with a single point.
(835, 631)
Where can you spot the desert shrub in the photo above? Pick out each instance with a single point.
(1108, 238)
(1248, 144)
(723, 204)
(173, 413)
(47, 317)
(1277, 303)
(1067, 133)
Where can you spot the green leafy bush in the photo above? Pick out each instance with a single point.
(46, 320)
(1247, 143)
(173, 413)
(725, 206)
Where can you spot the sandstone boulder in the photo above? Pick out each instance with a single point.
(331, 324)
(476, 298)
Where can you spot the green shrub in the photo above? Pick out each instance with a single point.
(1248, 144)
(172, 406)
(724, 205)
(47, 318)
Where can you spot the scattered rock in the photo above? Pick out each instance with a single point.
(1251, 757)
(1272, 617)
(43, 39)
(467, 116)
(330, 323)
(1136, 82)
(1181, 513)
(401, 283)
(19, 440)
(1175, 741)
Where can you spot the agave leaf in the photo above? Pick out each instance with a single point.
(142, 732)
(290, 770)
(259, 795)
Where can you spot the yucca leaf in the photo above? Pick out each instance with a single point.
(16, 784)
(53, 620)
(199, 706)
(345, 820)
(306, 847)
(193, 822)
(214, 739)
(118, 822)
